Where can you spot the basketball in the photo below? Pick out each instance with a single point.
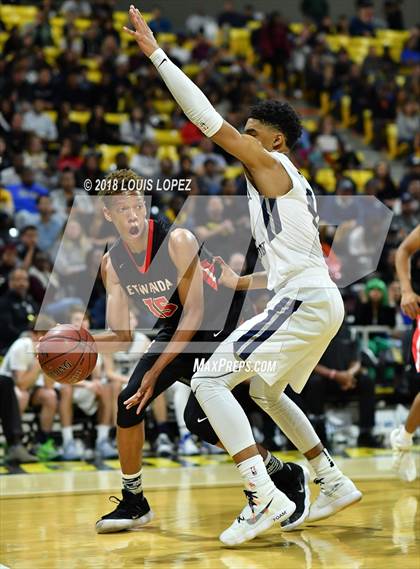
(67, 354)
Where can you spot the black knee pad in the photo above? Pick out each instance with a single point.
(127, 417)
(197, 422)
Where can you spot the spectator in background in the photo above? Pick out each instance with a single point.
(8, 262)
(145, 162)
(41, 277)
(41, 32)
(43, 89)
(408, 122)
(159, 24)
(343, 207)
(413, 173)
(387, 190)
(327, 142)
(34, 155)
(207, 152)
(316, 10)
(209, 182)
(230, 17)
(98, 130)
(136, 128)
(48, 223)
(26, 192)
(37, 121)
(90, 170)
(375, 310)
(70, 198)
(215, 229)
(12, 174)
(27, 245)
(199, 22)
(408, 219)
(362, 24)
(69, 156)
(17, 309)
(340, 375)
(393, 14)
(273, 45)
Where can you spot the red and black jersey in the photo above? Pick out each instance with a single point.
(150, 281)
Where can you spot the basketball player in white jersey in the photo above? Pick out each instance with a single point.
(298, 323)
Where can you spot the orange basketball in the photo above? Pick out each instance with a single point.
(67, 354)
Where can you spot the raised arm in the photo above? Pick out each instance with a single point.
(410, 301)
(195, 104)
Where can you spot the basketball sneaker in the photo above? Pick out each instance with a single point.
(164, 446)
(335, 495)
(105, 449)
(187, 446)
(71, 451)
(293, 480)
(47, 451)
(132, 512)
(208, 448)
(403, 462)
(259, 515)
(19, 454)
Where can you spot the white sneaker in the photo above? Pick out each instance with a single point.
(258, 516)
(187, 446)
(403, 460)
(71, 451)
(105, 449)
(207, 448)
(164, 445)
(335, 495)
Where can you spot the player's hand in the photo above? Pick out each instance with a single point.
(144, 392)
(346, 380)
(141, 33)
(228, 277)
(410, 304)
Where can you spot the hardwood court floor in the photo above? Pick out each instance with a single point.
(56, 532)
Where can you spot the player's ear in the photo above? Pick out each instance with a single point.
(279, 142)
(107, 214)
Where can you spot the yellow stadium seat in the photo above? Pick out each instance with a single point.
(94, 75)
(120, 17)
(333, 42)
(310, 125)
(167, 38)
(51, 53)
(325, 177)
(57, 22)
(82, 24)
(254, 25)
(346, 111)
(90, 63)
(165, 106)
(393, 36)
(3, 38)
(296, 27)
(367, 126)
(325, 103)
(240, 41)
(168, 137)
(233, 172)
(109, 152)
(169, 151)
(359, 177)
(116, 118)
(52, 115)
(11, 11)
(80, 117)
(191, 69)
(392, 140)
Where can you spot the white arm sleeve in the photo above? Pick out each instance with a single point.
(188, 96)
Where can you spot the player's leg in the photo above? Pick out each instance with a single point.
(288, 477)
(46, 399)
(186, 444)
(402, 441)
(23, 397)
(103, 444)
(65, 409)
(163, 443)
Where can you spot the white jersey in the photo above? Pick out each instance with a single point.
(286, 234)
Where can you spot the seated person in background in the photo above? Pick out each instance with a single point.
(17, 309)
(374, 309)
(340, 374)
(163, 444)
(93, 395)
(21, 364)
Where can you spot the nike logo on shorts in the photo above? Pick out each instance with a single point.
(201, 420)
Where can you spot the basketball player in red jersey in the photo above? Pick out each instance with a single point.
(161, 271)
(402, 438)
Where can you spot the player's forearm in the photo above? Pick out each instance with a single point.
(189, 97)
(254, 281)
(110, 342)
(402, 265)
(187, 328)
(26, 379)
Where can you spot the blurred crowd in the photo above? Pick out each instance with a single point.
(77, 105)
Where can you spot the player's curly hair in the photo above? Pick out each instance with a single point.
(280, 115)
(120, 182)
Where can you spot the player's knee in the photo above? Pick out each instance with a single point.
(127, 417)
(49, 397)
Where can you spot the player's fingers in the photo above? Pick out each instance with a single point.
(132, 400)
(146, 397)
(131, 32)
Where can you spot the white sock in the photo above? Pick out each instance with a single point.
(102, 432)
(405, 436)
(67, 434)
(272, 463)
(133, 482)
(254, 473)
(324, 466)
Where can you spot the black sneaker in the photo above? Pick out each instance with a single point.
(132, 512)
(293, 480)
